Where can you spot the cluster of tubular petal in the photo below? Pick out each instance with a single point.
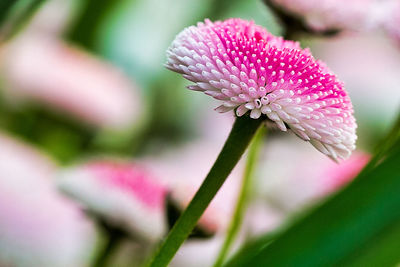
(249, 69)
(330, 14)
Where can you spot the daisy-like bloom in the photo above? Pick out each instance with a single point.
(250, 70)
(121, 194)
(330, 14)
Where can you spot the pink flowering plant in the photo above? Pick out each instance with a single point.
(88, 90)
(263, 78)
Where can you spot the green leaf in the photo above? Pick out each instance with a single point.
(360, 226)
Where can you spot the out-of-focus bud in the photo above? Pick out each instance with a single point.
(124, 195)
(42, 69)
(38, 226)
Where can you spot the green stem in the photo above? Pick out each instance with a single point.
(238, 214)
(113, 238)
(241, 134)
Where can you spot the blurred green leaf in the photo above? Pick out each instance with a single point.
(85, 29)
(5, 7)
(360, 226)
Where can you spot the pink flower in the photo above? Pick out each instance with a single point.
(249, 69)
(330, 14)
(43, 69)
(38, 226)
(122, 194)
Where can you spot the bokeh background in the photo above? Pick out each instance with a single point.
(83, 81)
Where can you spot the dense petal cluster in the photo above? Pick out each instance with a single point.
(330, 14)
(249, 69)
(122, 194)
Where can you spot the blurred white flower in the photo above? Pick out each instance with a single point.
(38, 227)
(331, 14)
(43, 69)
(123, 194)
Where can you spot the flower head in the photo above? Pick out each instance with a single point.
(249, 69)
(122, 194)
(330, 14)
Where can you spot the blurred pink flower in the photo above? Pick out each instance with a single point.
(307, 178)
(248, 69)
(38, 227)
(123, 194)
(40, 68)
(331, 14)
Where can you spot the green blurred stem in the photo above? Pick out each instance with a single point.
(113, 238)
(241, 134)
(384, 146)
(84, 31)
(239, 212)
(5, 7)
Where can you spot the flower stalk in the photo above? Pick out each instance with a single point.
(112, 240)
(239, 138)
(240, 208)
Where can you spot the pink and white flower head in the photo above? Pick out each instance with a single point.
(323, 15)
(45, 70)
(38, 226)
(123, 195)
(249, 69)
